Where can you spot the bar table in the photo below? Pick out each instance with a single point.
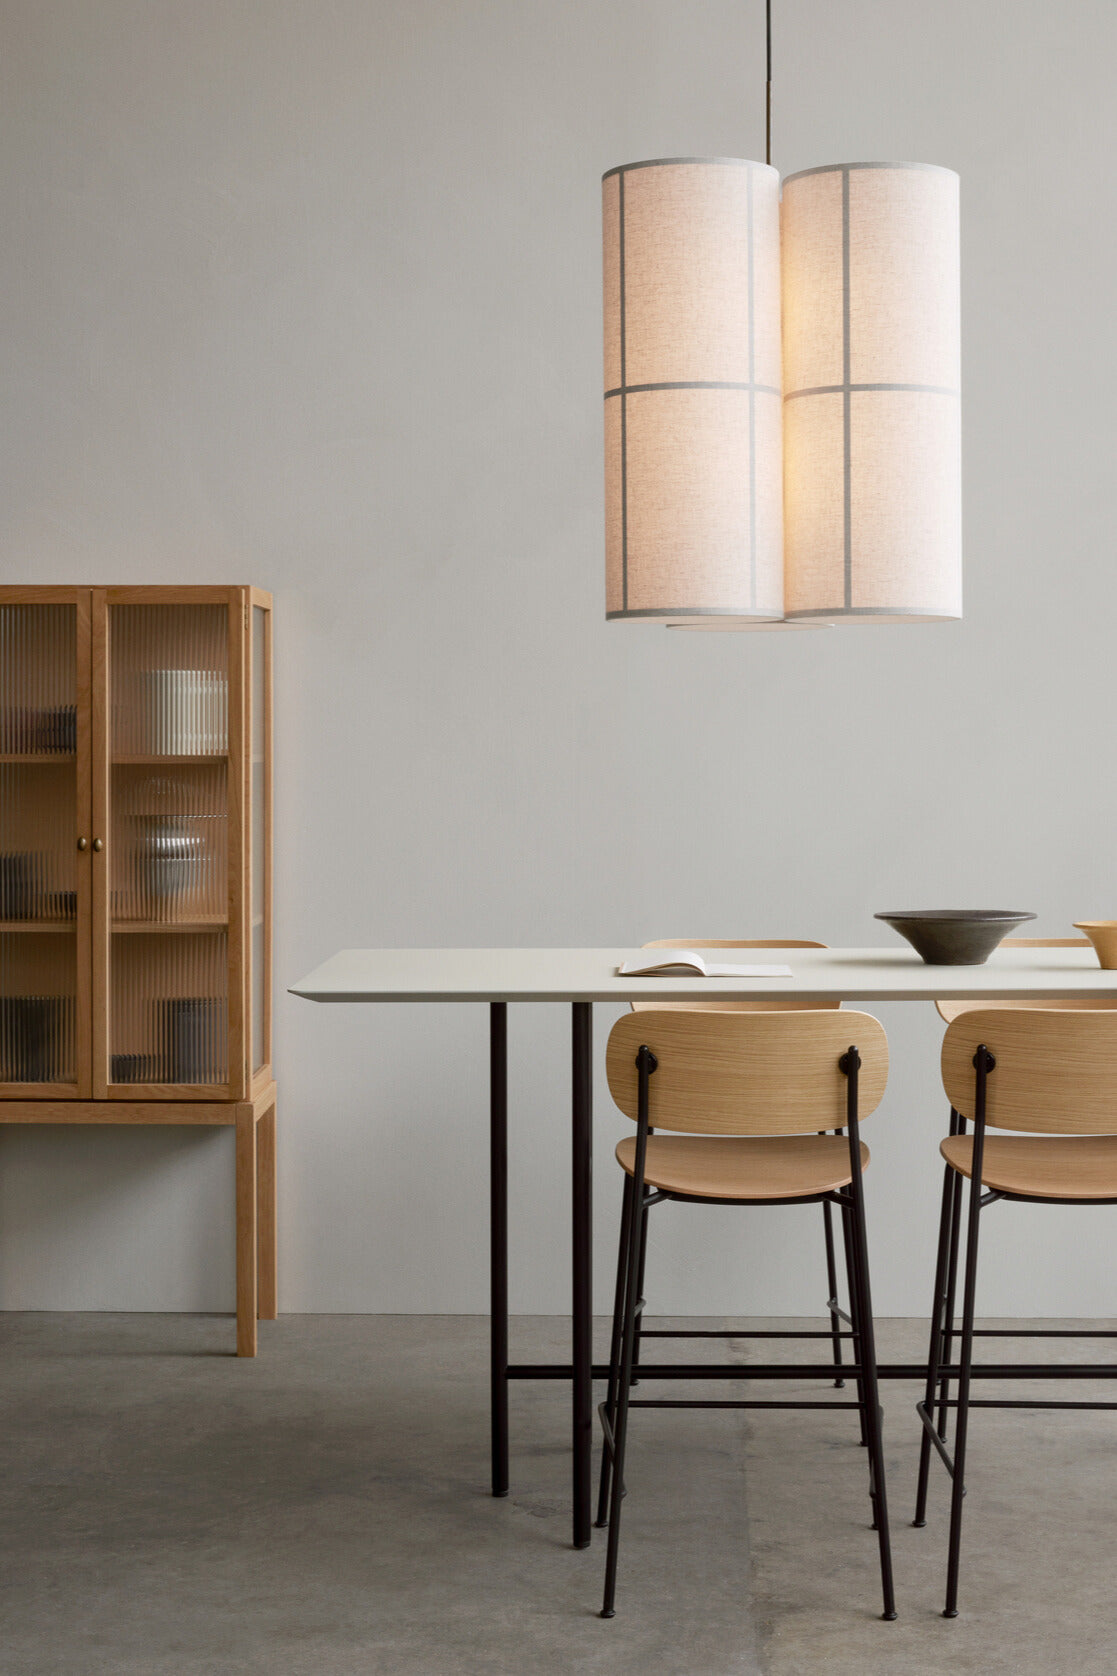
(579, 977)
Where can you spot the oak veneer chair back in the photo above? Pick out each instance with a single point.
(733, 1006)
(950, 1010)
(750, 1096)
(762, 1073)
(1055, 1072)
(1050, 1073)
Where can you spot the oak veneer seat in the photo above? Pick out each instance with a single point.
(764, 1167)
(1055, 1079)
(746, 1094)
(950, 1010)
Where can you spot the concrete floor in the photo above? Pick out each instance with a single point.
(168, 1509)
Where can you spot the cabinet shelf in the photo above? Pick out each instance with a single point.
(55, 925)
(147, 759)
(37, 756)
(200, 922)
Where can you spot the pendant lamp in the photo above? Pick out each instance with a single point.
(693, 484)
(872, 456)
(781, 425)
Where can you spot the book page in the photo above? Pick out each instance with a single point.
(689, 963)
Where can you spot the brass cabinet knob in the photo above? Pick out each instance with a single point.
(97, 844)
(83, 843)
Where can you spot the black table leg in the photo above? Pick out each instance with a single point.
(582, 1311)
(498, 1239)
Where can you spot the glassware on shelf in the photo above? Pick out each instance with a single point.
(194, 1032)
(172, 861)
(170, 856)
(26, 892)
(36, 730)
(36, 1038)
(181, 712)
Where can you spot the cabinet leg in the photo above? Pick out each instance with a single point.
(246, 1230)
(267, 1307)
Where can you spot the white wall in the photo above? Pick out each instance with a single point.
(306, 293)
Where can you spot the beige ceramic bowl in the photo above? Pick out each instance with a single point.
(1103, 934)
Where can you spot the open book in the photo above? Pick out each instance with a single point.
(690, 964)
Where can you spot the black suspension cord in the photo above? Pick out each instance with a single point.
(768, 88)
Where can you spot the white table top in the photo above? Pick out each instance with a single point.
(883, 974)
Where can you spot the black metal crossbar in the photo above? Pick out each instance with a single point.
(823, 1370)
(673, 1402)
(729, 1332)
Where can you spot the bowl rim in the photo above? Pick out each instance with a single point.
(964, 916)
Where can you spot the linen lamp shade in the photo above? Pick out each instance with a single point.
(872, 462)
(693, 429)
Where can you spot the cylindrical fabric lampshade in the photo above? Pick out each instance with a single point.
(693, 472)
(872, 461)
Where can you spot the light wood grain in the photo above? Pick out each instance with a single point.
(736, 1167)
(158, 593)
(266, 1292)
(950, 1010)
(269, 820)
(788, 1005)
(100, 941)
(50, 1109)
(239, 894)
(1056, 1070)
(83, 820)
(246, 1229)
(1046, 1166)
(771, 1073)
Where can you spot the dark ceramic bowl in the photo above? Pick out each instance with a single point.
(954, 936)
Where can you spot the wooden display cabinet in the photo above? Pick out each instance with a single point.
(135, 876)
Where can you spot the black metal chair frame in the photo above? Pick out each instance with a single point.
(628, 1309)
(944, 1331)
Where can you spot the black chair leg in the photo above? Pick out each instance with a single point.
(934, 1349)
(832, 1292)
(951, 1289)
(965, 1361)
(609, 1409)
(640, 1269)
(620, 1421)
(870, 1403)
(851, 1282)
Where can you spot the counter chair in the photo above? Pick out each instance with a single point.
(746, 1098)
(837, 1315)
(950, 1218)
(1051, 1075)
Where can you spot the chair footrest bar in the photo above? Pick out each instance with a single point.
(1020, 1402)
(835, 1308)
(728, 1332)
(744, 1402)
(706, 1370)
(1040, 1332)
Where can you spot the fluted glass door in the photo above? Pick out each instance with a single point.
(44, 846)
(174, 755)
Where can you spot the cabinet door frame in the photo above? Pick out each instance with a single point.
(233, 600)
(257, 598)
(82, 1089)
